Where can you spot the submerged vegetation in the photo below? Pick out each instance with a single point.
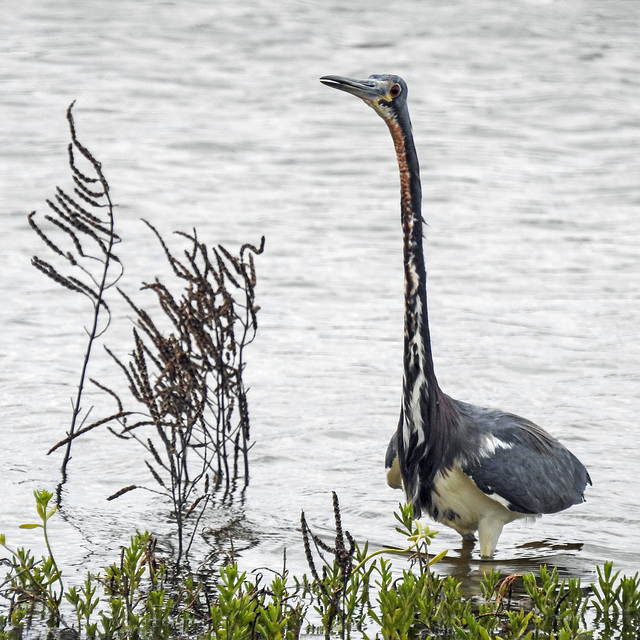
(187, 407)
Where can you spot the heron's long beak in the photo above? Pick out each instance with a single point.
(367, 90)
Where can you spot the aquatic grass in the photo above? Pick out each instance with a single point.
(616, 600)
(33, 583)
(356, 594)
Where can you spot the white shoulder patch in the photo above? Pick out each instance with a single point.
(490, 444)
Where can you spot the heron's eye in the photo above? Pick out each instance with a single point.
(395, 90)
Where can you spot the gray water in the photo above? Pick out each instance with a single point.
(210, 115)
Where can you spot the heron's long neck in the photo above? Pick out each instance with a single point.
(422, 431)
(420, 381)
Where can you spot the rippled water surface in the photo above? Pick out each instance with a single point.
(210, 115)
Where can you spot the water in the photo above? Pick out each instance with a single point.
(210, 115)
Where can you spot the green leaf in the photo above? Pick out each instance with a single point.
(438, 557)
(30, 526)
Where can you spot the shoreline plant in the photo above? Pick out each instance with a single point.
(356, 594)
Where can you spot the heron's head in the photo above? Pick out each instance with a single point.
(386, 94)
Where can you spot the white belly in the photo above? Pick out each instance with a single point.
(465, 508)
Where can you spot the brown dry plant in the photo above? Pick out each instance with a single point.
(79, 231)
(190, 408)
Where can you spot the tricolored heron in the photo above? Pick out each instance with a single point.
(468, 467)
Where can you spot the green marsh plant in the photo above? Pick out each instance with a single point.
(355, 594)
(35, 585)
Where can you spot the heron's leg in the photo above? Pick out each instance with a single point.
(468, 542)
(489, 530)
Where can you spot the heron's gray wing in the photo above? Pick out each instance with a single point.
(521, 465)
